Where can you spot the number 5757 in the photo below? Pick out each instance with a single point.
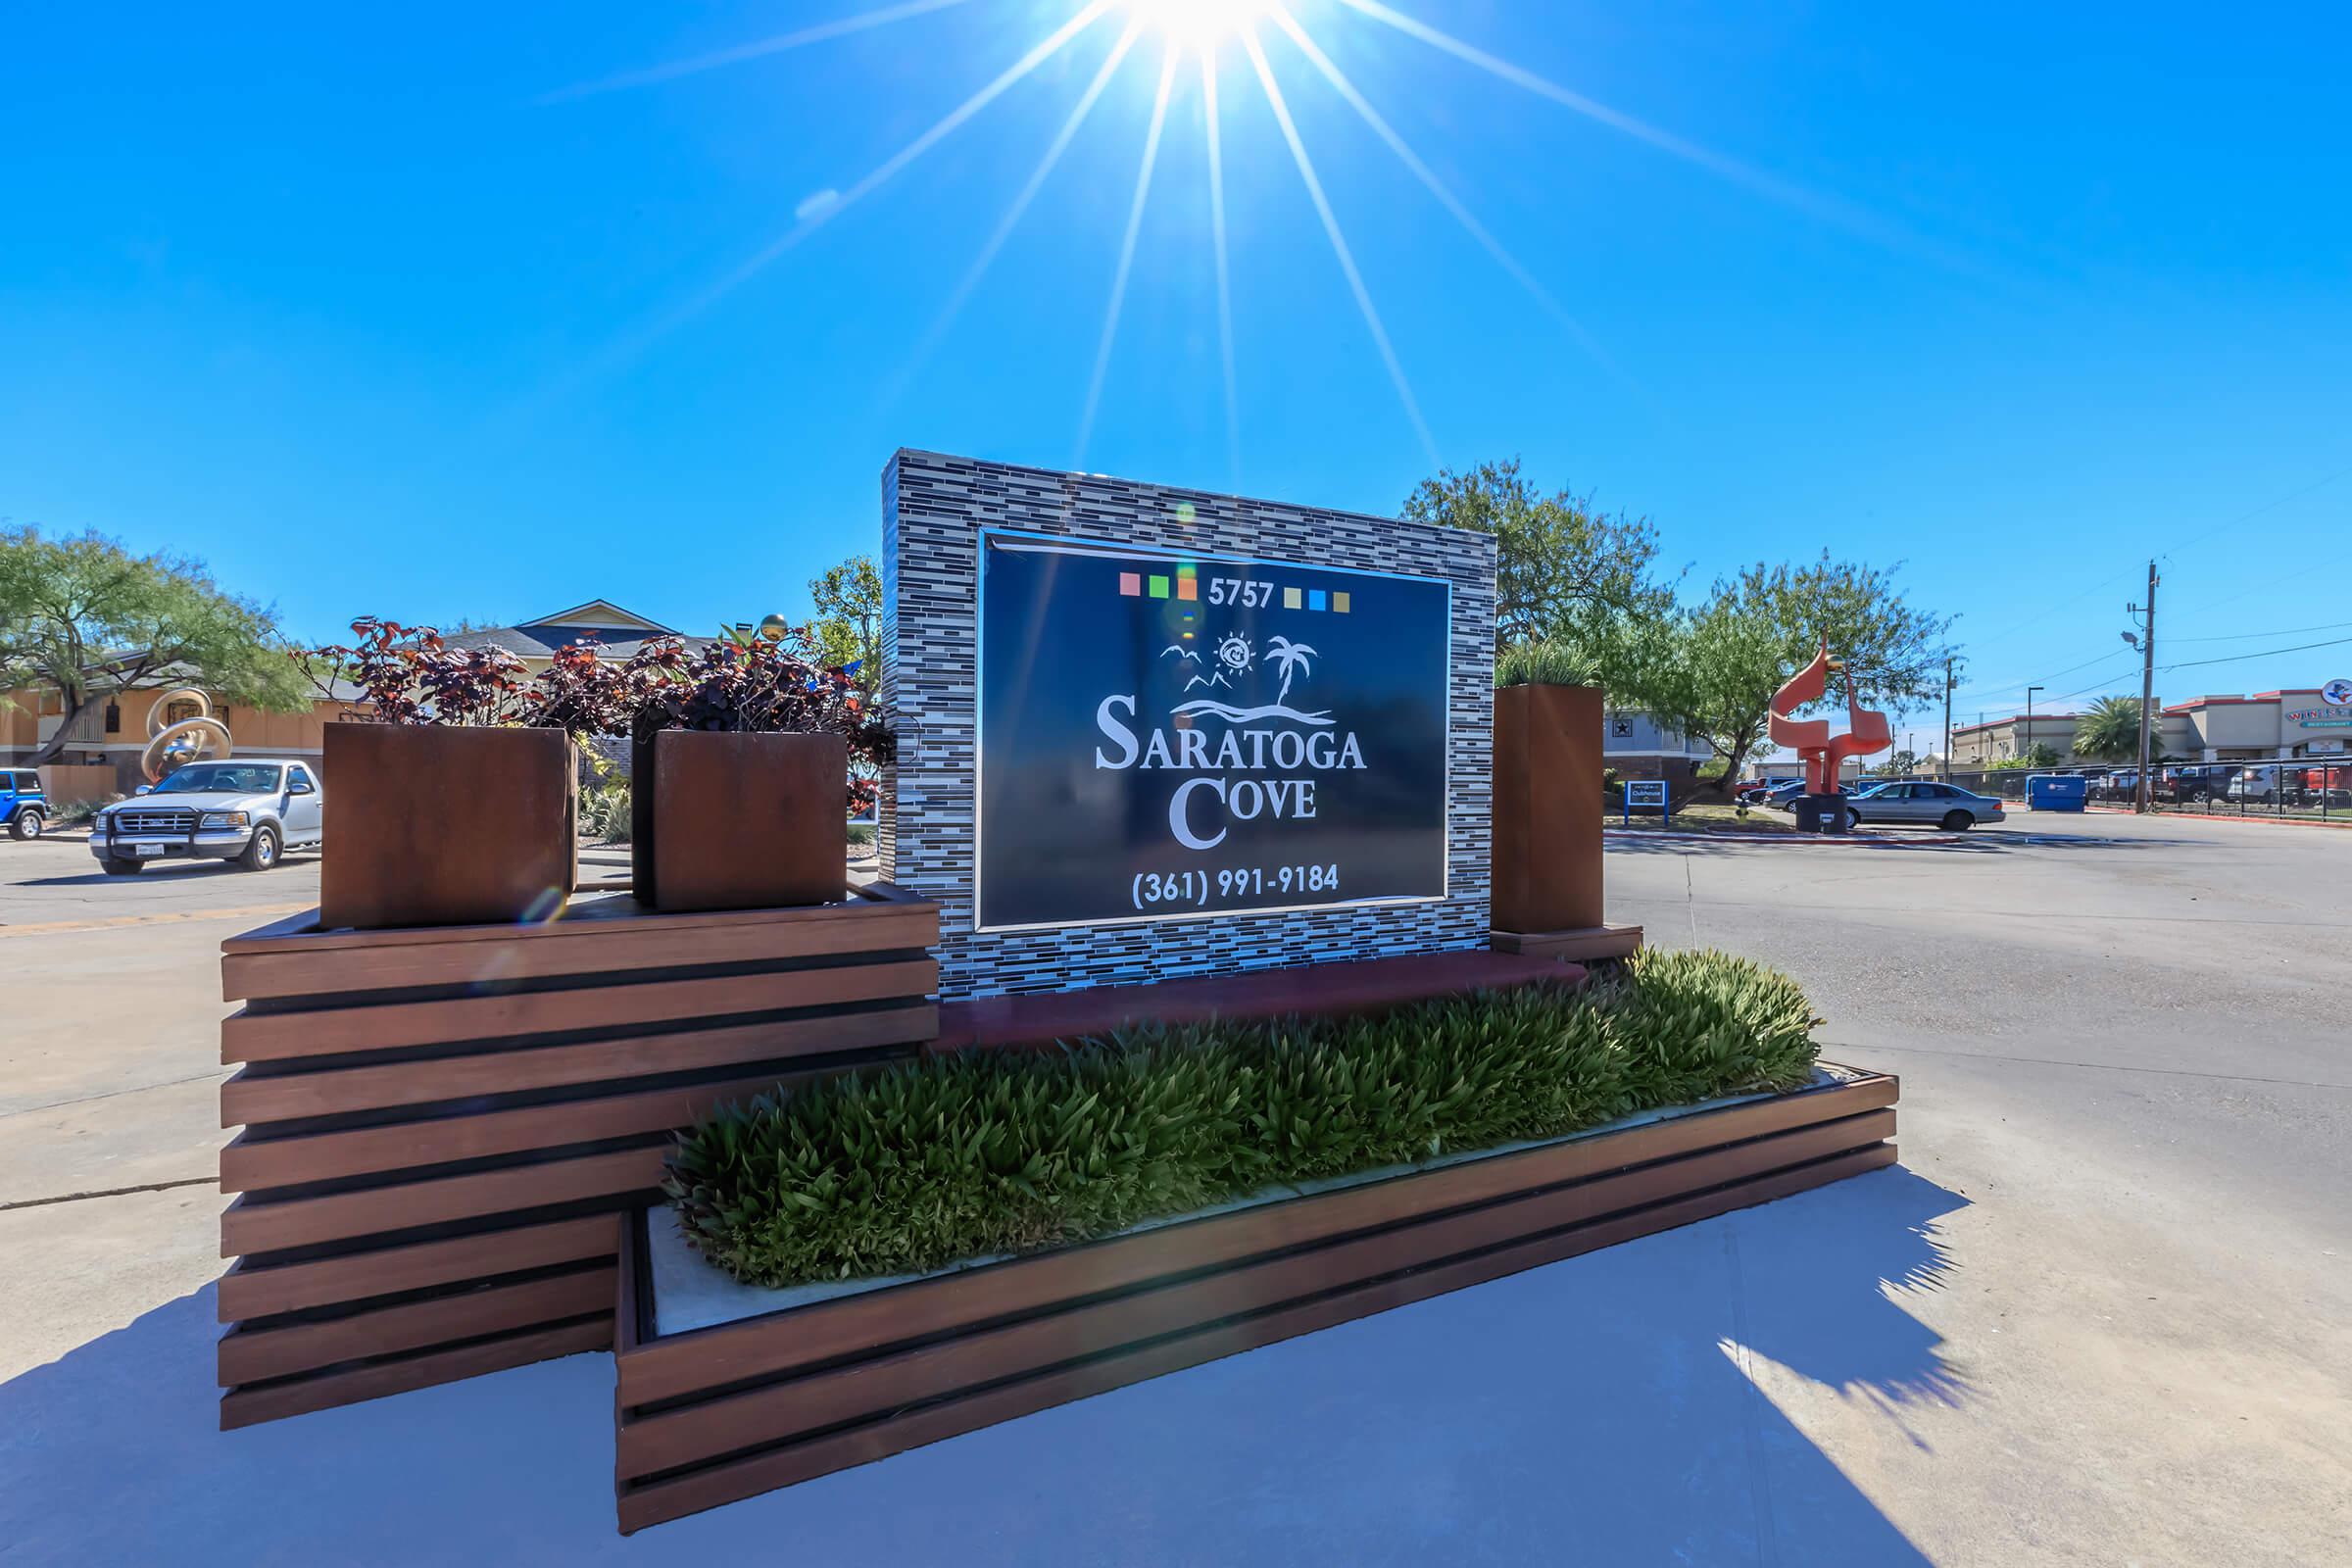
(1240, 591)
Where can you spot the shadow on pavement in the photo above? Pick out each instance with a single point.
(1590, 1411)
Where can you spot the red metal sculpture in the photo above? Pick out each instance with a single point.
(1822, 752)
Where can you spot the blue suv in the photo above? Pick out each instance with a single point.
(24, 804)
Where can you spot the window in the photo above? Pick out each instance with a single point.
(298, 779)
(113, 717)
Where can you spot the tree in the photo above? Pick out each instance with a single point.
(1899, 763)
(1565, 575)
(83, 616)
(848, 622)
(1727, 656)
(2036, 756)
(2110, 730)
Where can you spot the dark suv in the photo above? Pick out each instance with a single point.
(24, 804)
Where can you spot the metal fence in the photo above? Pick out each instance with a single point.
(2312, 788)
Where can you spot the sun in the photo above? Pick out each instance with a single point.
(1201, 23)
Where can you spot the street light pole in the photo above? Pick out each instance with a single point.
(2025, 742)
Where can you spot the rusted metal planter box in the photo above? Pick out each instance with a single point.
(430, 825)
(1547, 809)
(737, 821)
(744, 1404)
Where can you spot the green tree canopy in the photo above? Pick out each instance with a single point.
(1566, 574)
(82, 617)
(848, 621)
(1728, 656)
(2037, 756)
(2110, 730)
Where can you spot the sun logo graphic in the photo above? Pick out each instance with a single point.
(1233, 652)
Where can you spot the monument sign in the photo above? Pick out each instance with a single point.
(1145, 732)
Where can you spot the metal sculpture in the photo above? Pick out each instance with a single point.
(1824, 754)
(171, 746)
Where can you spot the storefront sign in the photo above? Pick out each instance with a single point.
(1166, 736)
(2334, 716)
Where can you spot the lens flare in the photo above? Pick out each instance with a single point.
(1200, 23)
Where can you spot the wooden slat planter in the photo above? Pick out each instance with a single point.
(714, 1415)
(443, 1127)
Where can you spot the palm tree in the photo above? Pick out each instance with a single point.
(2110, 731)
(1286, 656)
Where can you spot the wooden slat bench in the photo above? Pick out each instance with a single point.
(442, 1128)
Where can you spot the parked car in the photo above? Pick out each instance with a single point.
(2195, 783)
(249, 810)
(1755, 788)
(1912, 801)
(2254, 786)
(24, 804)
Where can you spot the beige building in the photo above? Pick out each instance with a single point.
(2001, 740)
(2298, 721)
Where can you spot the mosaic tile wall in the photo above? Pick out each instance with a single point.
(933, 508)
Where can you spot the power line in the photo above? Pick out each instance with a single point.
(2232, 659)
(2015, 626)
(2268, 631)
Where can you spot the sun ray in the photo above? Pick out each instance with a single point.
(1437, 188)
(1135, 224)
(1042, 51)
(1216, 227)
(757, 49)
(1339, 242)
(1827, 208)
(1020, 205)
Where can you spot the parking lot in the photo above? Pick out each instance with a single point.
(2115, 1331)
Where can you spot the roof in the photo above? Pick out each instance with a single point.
(2013, 718)
(617, 633)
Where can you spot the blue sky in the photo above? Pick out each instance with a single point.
(376, 314)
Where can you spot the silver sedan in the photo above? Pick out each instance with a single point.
(1925, 804)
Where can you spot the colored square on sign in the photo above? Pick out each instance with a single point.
(1160, 586)
(1339, 602)
(1188, 587)
(1290, 599)
(1314, 599)
(1131, 584)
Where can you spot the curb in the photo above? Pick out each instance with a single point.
(2262, 818)
(1908, 841)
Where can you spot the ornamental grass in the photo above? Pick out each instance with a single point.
(983, 1154)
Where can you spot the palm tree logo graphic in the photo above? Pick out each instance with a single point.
(1288, 656)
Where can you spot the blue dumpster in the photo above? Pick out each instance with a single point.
(2057, 792)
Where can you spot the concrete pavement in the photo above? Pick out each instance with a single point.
(2099, 1317)
(2128, 1045)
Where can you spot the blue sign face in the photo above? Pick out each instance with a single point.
(1164, 736)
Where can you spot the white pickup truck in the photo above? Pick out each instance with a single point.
(249, 810)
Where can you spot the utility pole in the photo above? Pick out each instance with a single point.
(1947, 718)
(2025, 742)
(2141, 795)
